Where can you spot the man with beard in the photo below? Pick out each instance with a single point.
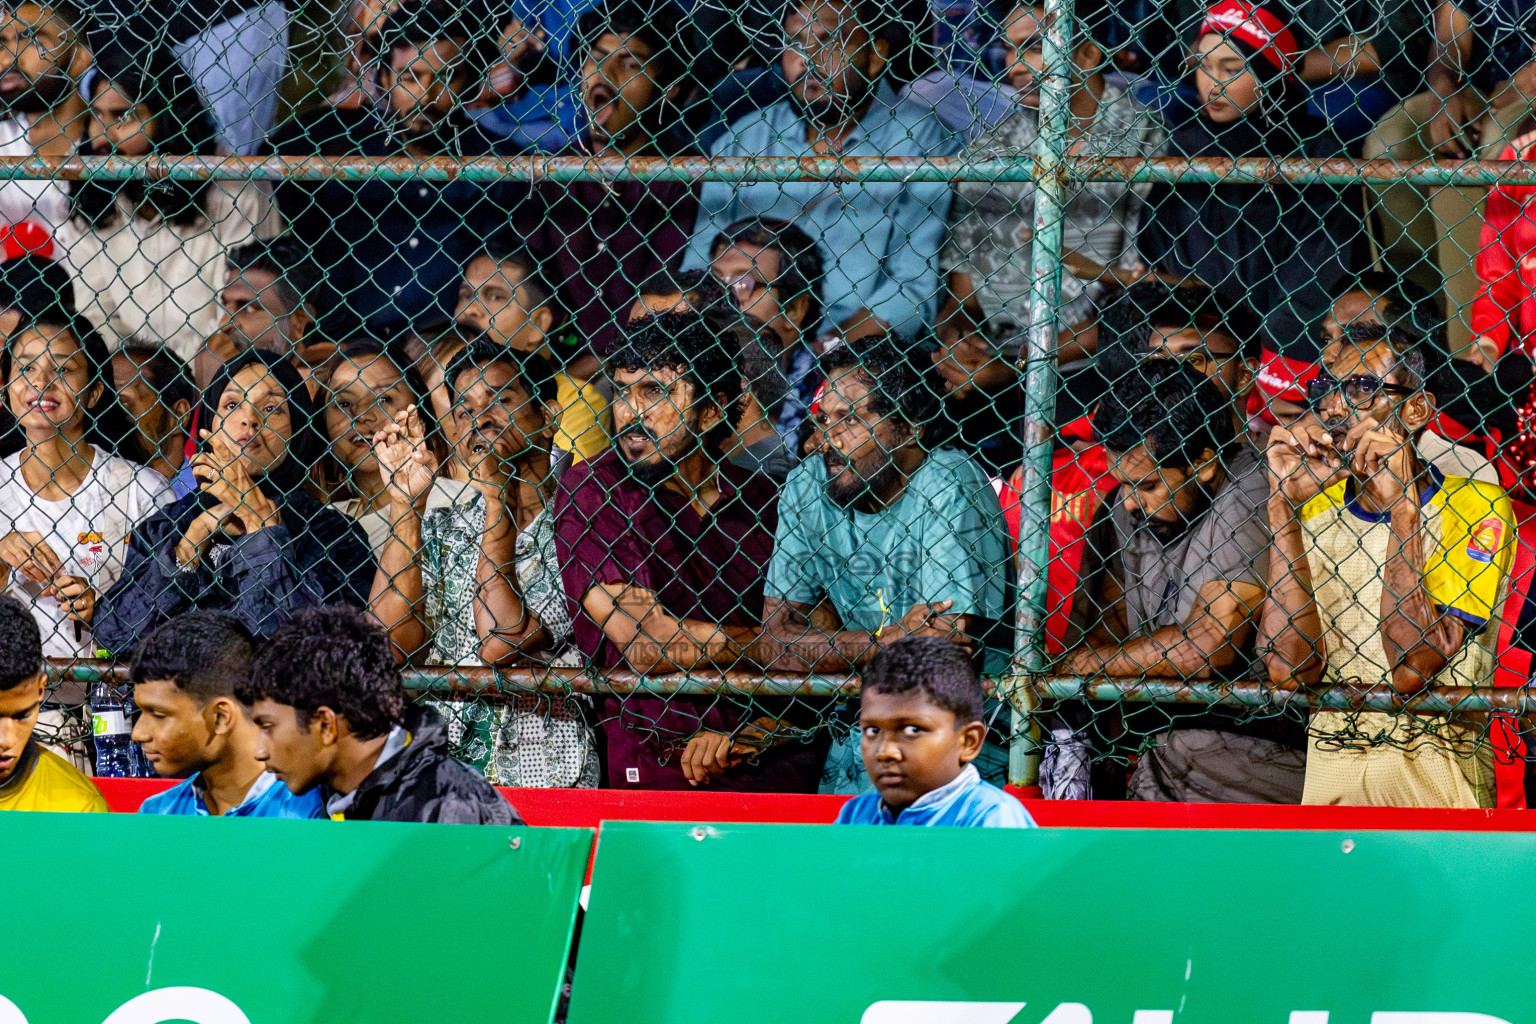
(269, 302)
(880, 539)
(41, 61)
(393, 251)
(663, 547)
(879, 242)
(1174, 576)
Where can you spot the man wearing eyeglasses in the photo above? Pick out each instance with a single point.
(771, 271)
(1384, 572)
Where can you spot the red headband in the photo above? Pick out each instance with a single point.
(1255, 26)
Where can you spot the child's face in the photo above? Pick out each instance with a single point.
(911, 746)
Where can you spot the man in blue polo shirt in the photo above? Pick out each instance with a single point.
(921, 722)
(191, 723)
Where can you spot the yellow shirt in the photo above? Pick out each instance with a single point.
(1356, 757)
(584, 418)
(51, 784)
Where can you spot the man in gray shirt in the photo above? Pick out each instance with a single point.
(1174, 574)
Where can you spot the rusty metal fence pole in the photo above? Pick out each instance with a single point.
(1039, 368)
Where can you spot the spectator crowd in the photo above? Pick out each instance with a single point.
(271, 443)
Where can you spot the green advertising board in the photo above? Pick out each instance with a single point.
(127, 919)
(804, 925)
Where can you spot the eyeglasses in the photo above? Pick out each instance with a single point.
(744, 290)
(1361, 389)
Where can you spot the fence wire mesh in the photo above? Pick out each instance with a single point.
(645, 367)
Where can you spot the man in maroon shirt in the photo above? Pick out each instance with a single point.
(602, 239)
(663, 548)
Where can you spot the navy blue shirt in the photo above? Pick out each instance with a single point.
(1504, 39)
(392, 252)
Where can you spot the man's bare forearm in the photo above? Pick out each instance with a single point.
(1290, 627)
(687, 645)
(793, 644)
(502, 619)
(1171, 652)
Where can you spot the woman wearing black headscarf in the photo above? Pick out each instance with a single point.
(1282, 248)
(251, 540)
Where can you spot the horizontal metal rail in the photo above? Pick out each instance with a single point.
(1516, 700)
(468, 680)
(1201, 170)
(473, 681)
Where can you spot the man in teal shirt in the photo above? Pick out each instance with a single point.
(880, 539)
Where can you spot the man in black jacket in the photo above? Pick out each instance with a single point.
(325, 692)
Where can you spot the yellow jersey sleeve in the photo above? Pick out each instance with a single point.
(583, 425)
(1466, 574)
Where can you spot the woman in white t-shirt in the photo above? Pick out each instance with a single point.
(149, 257)
(68, 500)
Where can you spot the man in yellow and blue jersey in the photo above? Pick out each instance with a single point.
(1384, 572)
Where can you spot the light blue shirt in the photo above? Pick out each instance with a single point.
(267, 798)
(965, 802)
(943, 540)
(967, 105)
(879, 241)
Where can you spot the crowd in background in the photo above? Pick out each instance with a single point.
(670, 428)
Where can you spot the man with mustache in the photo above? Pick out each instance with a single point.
(879, 538)
(1384, 573)
(41, 60)
(1174, 577)
(879, 242)
(392, 251)
(663, 547)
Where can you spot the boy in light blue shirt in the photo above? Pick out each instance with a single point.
(191, 724)
(921, 720)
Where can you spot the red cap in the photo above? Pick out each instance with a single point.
(28, 237)
(1255, 26)
(821, 389)
(1281, 378)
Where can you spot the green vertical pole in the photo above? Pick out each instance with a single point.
(1039, 368)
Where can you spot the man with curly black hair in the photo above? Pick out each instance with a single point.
(663, 547)
(1174, 577)
(879, 538)
(325, 692)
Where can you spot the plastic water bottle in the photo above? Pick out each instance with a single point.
(117, 756)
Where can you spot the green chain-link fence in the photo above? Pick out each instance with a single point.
(674, 358)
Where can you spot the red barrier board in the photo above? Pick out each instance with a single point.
(587, 808)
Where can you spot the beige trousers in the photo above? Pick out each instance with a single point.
(1429, 234)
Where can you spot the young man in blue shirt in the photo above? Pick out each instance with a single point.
(191, 724)
(921, 717)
